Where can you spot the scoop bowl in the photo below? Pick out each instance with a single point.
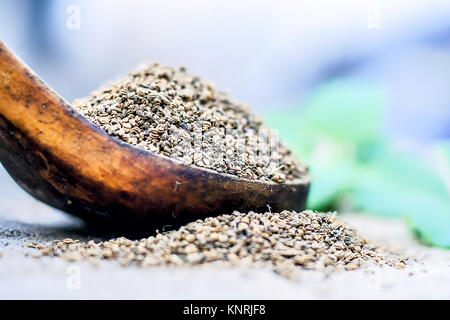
(62, 159)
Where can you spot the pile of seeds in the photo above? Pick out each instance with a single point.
(173, 113)
(283, 242)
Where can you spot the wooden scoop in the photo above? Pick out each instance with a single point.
(62, 159)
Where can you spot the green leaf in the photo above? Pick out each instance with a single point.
(430, 220)
(338, 127)
(339, 135)
(386, 184)
(346, 111)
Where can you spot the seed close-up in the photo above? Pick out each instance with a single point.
(284, 242)
(179, 115)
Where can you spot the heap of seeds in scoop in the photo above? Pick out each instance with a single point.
(171, 112)
(284, 242)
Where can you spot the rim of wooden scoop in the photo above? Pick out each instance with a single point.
(62, 159)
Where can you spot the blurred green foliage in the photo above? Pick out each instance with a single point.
(339, 133)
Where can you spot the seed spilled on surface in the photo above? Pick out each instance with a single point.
(284, 242)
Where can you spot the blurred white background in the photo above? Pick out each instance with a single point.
(266, 53)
